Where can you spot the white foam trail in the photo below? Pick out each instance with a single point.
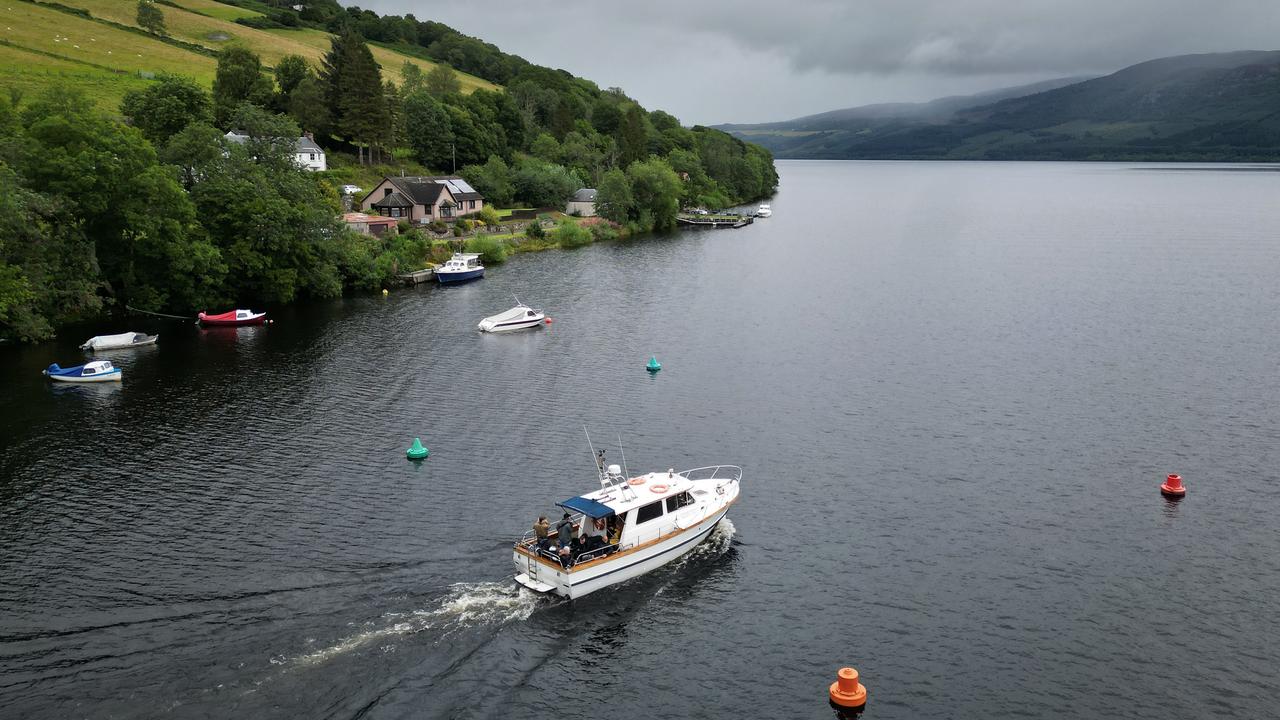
(467, 605)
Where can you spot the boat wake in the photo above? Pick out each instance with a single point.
(716, 544)
(467, 605)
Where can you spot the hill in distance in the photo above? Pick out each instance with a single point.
(97, 46)
(1209, 107)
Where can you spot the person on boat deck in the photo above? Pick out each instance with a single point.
(565, 529)
(594, 533)
(542, 529)
(581, 546)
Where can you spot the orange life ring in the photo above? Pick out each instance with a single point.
(636, 481)
(659, 488)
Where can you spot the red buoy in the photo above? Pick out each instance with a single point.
(1172, 487)
(547, 320)
(846, 693)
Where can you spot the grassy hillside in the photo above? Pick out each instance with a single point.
(107, 55)
(1212, 107)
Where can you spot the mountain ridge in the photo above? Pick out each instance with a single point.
(1201, 107)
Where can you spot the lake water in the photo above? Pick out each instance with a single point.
(954, 390)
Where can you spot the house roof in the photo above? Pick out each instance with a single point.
(584, 195)
(303, 144)
(426, 189)
(395, 199)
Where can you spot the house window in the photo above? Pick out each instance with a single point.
(386, 192)
(313, 156)
(652, 511)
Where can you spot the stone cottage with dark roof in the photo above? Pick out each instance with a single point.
(422, 199)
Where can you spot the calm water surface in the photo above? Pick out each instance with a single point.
(953, 388)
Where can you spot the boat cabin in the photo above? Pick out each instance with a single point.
(97, 367)
(461, 262)
(624, 514)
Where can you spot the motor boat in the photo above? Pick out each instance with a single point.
(233, 318)
(460, 268)
(517, 318)
(123, 340)
(764, 210)
(93, 371)
(628, 527)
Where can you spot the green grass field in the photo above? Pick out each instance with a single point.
(41, 44)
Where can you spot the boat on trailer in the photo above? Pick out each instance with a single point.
(233, 318)
(93, 371)
(628, 527)
(123, 340)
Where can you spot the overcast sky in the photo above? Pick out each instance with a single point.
(714, 61)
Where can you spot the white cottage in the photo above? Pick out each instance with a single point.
(306, 152)
(582, 204)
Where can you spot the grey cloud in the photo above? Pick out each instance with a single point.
(755, 60)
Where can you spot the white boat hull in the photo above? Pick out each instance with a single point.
(520, 317)
(105, 377)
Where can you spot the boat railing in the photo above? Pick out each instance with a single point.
(731, 473)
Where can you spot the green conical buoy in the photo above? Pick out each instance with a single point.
(654, 365)
(418, 451)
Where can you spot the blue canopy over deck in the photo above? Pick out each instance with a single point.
(586, 506)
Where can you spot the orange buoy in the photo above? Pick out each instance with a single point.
(1172, 487)
(846, 692)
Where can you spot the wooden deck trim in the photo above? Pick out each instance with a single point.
(609, 558)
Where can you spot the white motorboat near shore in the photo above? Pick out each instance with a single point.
(517, 318)
(627, 528)
(764, 210)
(123, 340)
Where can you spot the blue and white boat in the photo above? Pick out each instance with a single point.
(460, 268)
(94, 371)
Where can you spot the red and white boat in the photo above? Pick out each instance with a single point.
(233, 317)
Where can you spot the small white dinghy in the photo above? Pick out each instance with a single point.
(123, 340)
(517, 318)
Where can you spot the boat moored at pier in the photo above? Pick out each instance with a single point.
(460, 268)
(628, 527)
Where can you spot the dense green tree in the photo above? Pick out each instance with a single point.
(545, 147)
(354, 91)
(613, 197)
(632, 136)
(493, 180)
(307, 105)
(428, 129)
(150, 18)
(290, 70)
(106, 176)
(165, 107)
(544, 184)
(655, 189)
(48, 271)
(442, 80)
(238, 79)
(411, 77)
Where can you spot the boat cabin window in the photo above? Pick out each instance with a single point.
(88, 371)
(652, 511)
(676, 502)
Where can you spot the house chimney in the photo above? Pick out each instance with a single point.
(309, 135)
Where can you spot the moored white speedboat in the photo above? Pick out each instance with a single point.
(123, 340)
(517, 318)
(459, 268)
(764, 210)
(627, 528)
(95, 371)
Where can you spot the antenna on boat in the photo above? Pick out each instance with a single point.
(517, 297)
(625, 473)
(599, 457)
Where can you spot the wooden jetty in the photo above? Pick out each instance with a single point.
(714, 221)
(418, 276)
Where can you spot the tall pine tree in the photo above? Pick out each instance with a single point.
(354, 92)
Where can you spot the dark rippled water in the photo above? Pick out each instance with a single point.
(953, 388)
